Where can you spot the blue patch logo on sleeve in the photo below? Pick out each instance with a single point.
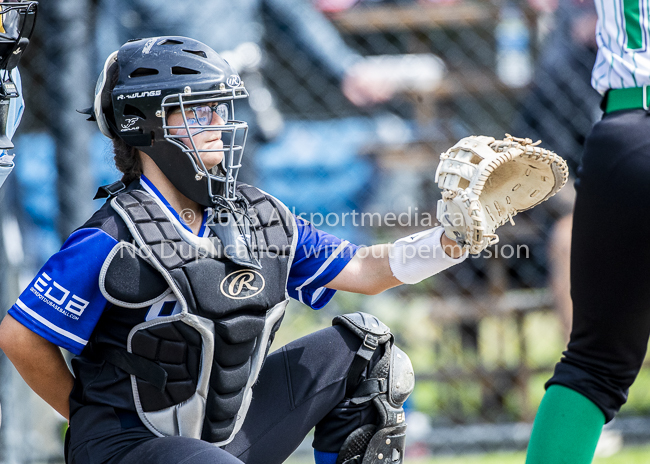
(50, 292)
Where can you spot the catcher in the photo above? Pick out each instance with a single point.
(170, 294)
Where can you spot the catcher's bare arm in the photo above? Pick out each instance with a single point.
(39, 362)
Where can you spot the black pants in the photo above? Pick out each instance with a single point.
(610, 263)
(301, 385)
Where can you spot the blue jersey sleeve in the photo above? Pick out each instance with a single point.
(318, 259)
(63, 303)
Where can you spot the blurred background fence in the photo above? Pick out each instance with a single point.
(483, 336)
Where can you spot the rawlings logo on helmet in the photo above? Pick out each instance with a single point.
(233, 81)
(151, 93)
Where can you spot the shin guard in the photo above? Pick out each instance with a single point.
(389, 383)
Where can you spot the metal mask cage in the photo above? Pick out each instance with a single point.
(234, 143)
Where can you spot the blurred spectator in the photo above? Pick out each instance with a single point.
(334, 6)
(235, 30)
(562, 106)
(560, 109)
(240, 31)
(560, 271)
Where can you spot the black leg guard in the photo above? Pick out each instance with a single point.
(388, 385)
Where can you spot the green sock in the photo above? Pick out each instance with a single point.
(566, 429)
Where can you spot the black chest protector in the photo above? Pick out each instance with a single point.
(192, 372)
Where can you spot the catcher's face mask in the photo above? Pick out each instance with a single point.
(203, 126)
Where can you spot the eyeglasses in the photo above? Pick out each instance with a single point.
(201, 115)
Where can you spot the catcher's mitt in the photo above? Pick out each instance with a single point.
(485, 182)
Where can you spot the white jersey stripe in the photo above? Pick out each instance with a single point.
(48, 324)
(320, 270)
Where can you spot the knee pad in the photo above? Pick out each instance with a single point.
(387, 384)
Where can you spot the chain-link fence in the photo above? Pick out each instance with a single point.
(351, 104)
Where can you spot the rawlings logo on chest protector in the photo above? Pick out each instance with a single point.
(242, 284)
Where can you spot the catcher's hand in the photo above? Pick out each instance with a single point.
(485, 182)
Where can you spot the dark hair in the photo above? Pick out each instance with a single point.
(127, 159)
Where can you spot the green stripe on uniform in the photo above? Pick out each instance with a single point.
(632, 13)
